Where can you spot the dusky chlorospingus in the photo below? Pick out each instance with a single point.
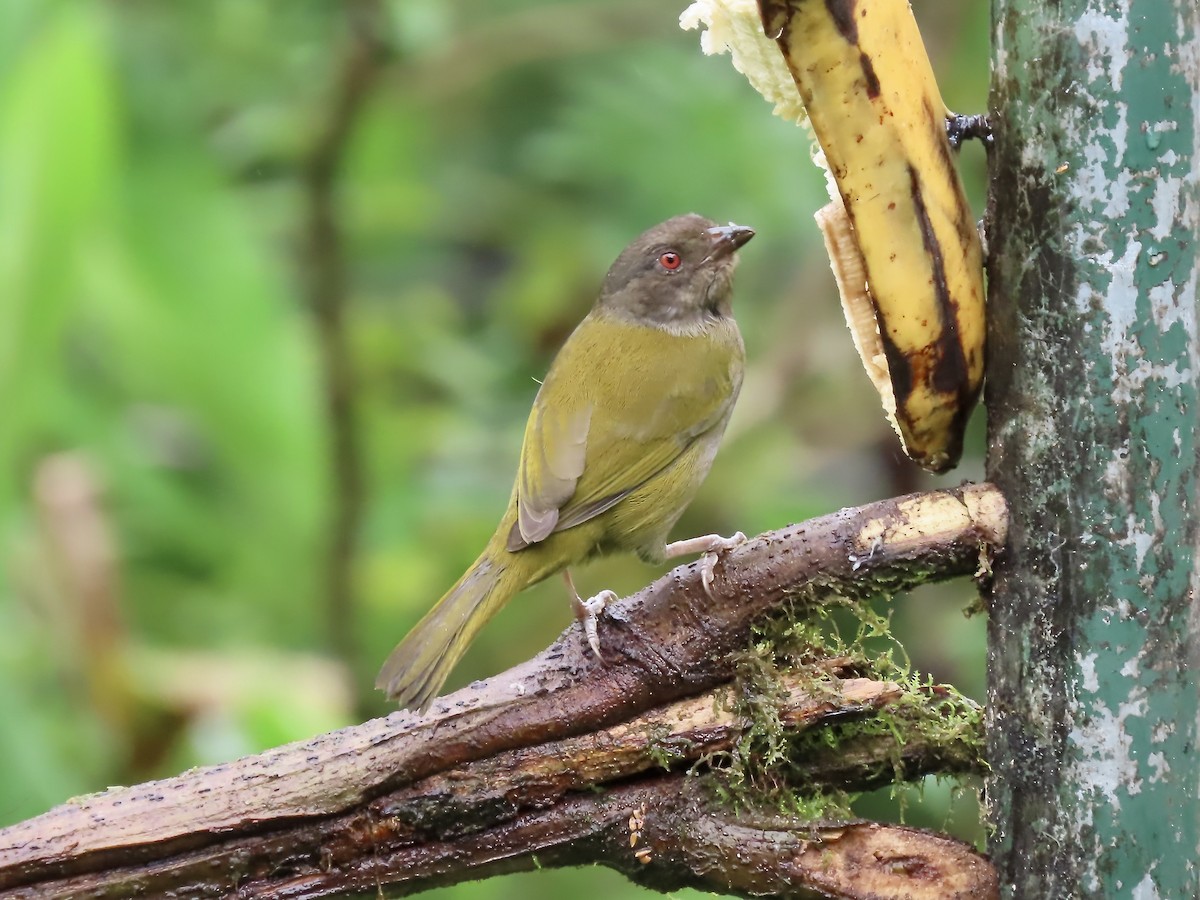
(622, 432)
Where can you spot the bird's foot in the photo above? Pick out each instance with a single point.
(588, 611)
(711, 546)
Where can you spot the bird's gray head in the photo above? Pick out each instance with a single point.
(675, 275)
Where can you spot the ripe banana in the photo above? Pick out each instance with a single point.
(902, 239)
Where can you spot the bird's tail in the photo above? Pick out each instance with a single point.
(418, 667)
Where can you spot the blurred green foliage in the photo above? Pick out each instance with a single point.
(165, 494)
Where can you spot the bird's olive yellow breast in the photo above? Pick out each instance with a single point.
(650, 383)
(622, 402)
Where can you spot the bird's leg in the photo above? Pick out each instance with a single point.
(711, 546)
(588, 611)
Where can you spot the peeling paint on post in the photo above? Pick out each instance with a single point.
(1093, 398)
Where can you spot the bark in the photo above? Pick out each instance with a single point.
(503, 775)
(1093, 389)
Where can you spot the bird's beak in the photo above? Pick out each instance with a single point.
(727, 238)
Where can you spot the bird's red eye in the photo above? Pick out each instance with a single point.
(670, 260)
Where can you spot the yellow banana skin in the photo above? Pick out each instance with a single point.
(870, 93)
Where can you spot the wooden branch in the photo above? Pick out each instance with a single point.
(490, 780)
(684, 838)
(532, 807)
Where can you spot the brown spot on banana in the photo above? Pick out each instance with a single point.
(774, 15)
(950, 370)
(869, 76)
(842, 14)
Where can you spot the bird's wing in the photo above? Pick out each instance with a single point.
(620, 404)
(552, 460)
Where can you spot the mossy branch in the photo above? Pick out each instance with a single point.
(562, 760)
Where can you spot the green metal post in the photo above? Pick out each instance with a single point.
(1093, 401)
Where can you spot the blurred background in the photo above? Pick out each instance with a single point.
(276, 279)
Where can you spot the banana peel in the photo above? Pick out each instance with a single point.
(902, 240)
(874, 105)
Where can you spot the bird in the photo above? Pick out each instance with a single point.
(623, 430)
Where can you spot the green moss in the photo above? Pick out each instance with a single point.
(665, 749)
(814, 773)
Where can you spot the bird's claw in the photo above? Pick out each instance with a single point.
(588, 611)
(708, 562)
(711, 546)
